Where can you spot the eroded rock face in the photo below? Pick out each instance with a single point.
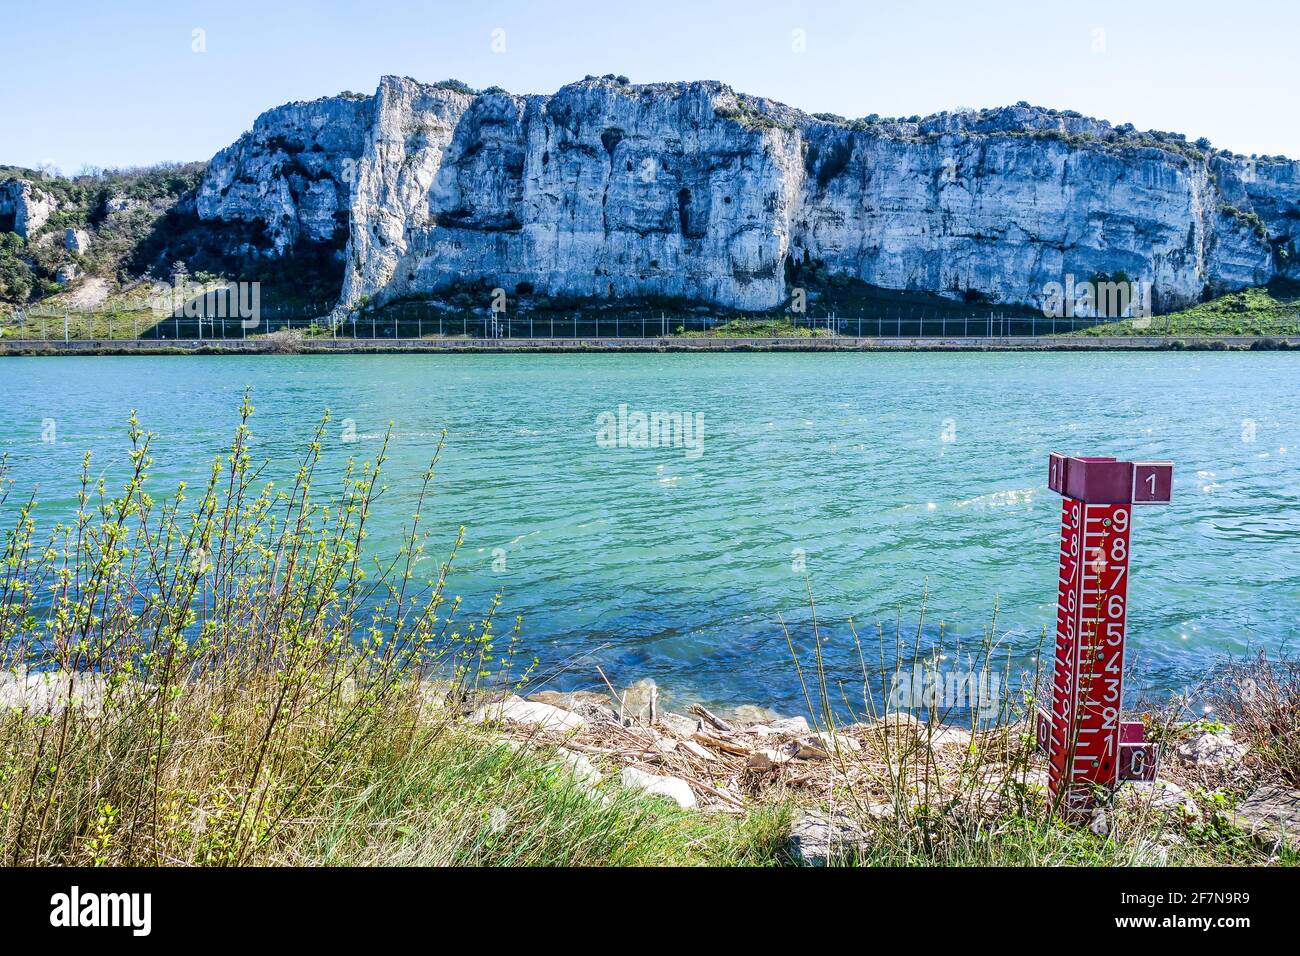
(24, 207)
(693, 191)
(293, 172)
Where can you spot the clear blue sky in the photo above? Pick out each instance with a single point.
(110, 84)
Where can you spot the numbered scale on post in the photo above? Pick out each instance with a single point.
(1087, 743)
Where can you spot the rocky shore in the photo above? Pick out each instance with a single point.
(854, 788)
(853, 784)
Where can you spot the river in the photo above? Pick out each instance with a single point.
(868, 476)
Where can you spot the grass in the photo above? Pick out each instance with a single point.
(468, 801)
(1264, 311)
(1260, 698)
(253, 687)
(129, 314)
(755, 328)
(109, 323)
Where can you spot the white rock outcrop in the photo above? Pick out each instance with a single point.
(76, 240)
(693, 191)
(24, 205)
(293, 172)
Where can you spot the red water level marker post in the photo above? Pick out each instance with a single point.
(1088, 746)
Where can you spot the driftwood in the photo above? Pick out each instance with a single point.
(717, 744)
(709, 717)
(728, 765)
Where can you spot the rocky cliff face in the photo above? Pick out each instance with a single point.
(693, 191)
(293, 172)
(24, 207)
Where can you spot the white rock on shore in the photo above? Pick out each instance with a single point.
(1212, 751)
(674, 788)
(788, 725)
(579, 766)
(527, 713)
(639, 699)
(680, 724)
(955, 737)
(582, 702)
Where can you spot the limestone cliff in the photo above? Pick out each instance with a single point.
(292, 172)
(24, 207)
(690, 190)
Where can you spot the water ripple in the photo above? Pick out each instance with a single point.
(873, 476)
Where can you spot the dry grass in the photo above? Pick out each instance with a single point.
(1260, 699)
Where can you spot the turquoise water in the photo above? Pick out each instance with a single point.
(869, 475)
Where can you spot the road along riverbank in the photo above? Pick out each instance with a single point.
(326, 346)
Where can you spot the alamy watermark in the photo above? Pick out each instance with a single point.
(933, 688)
(1117, 297)
(626, 428)
(194, 300)
(75, 908)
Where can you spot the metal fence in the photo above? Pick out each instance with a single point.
(416, 321)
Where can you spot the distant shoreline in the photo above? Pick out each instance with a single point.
(325, 346)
